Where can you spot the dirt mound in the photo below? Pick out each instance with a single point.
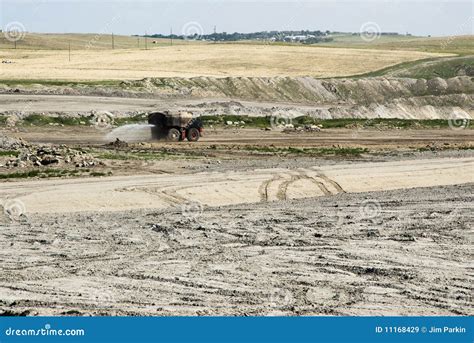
(434, 98)
(305, 89)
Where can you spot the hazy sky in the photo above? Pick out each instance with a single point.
(422, 17)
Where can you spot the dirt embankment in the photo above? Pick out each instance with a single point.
(305, 89)
(332, 98)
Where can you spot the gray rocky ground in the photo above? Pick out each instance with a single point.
(404, 252)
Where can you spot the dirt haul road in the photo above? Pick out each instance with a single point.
(231, 188)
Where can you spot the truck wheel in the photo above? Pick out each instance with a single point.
(193, 134)
(173, 135)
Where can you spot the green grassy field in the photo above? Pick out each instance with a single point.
(347, 123)
(460, 45)
(429, 68)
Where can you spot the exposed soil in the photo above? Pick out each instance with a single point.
(295, 96)
(243, 222)
(234, 186)
(333, 255)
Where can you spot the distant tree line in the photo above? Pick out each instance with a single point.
(303, 36)
(313, 36)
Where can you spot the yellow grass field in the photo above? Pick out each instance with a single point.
(204, 59)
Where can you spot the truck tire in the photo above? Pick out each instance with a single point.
(173, 135)
(193, 134)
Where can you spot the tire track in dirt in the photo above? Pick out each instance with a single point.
(307, 266)
(217, 189)
(320, 180)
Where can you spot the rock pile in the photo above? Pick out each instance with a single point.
(9, 143)
(305, 128)
(39, 156)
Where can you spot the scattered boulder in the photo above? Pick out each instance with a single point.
(118, 144)
(49, 159)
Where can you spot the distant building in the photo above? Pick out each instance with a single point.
(298, 38)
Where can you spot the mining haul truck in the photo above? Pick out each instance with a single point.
(175, 126)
